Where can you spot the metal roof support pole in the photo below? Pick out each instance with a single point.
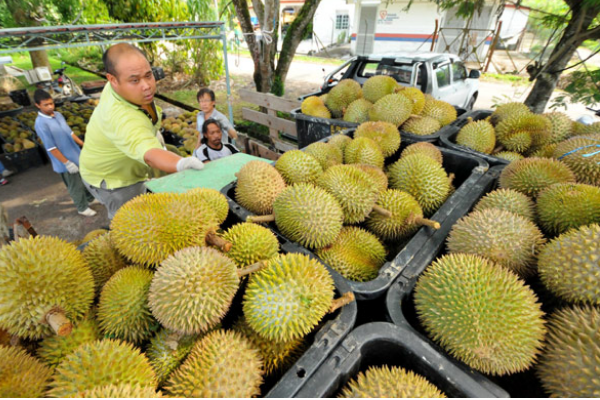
(224, 40)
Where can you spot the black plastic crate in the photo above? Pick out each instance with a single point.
(467, 169)
(382, 343)
(22, 160)
(11, 113)
(171, 138)
(448, 137)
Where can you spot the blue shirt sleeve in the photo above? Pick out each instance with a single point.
(44, 133)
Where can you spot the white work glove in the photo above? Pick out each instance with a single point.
(72, 167)
(189, 163)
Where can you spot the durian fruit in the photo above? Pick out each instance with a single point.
(508, 200)
(319, 112)
(507, 110)
(421, 126)
(124, 391)
(45, 286)
(341, 95)
(277, 356)
(444, 112)
(415, 95)
(93, 235)
(356, 254)
(407, 216)
(582, 129)
(214, 199)
(569, 265)
(364, 151)
(378, 86)
(563, 206)
(390, 382)
(193, 289)
(167, 351)
(310, 103)
(306, 214)
(424, 148)
(377, 177)
(569, 366)
(287, 299)
(54, 349)
(582, 156)
(546, 151)
(477, 135)
(480, 313)
(531, 175)
(104, 362)
(103, 260)
(353, 190)
(561, 126)
(386, 136)
(523, 131)
(392, 108)
(296, 166)
(509, 155)
(358, 111)
(340, 141)
(21, 375)
(423, 178)
(123, 311)
(326, 154)
(501, 236)
(258, 184)
(251, 243)
(222, 364)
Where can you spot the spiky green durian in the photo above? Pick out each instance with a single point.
(501, 236)
(377, 177)
(386, 136)
(424, 148)
(296, 166)
(356, 254)
(508, 200)
(364, 151)
(123, 311)
(340, 141)
(584, 130)
(251, 243)
(582, 155)
(341, 95)
(561, 126)
(563, 206)
(42, 278)
(481, 313)
(103, 260)
(546, 151)
(523, 131)
(287, 299)
(54, 349)
(569, 265)
(320, 112)
(223, 364)
(414, 95)
(102, 363)
(258, 184)
(167, 351)
(358, 111)
(392, 108)
(569, 366)
(423, 178)
(214, 199)
(310, 103)
(326, 154)
(21, 375)
(390, 382)
(193, 289)
(120, 391)
(444, 112)
(477, 135)
(421, 125)
(506, 110)
(378, 86)
(93, 235)
(509, 156)
(531, 175)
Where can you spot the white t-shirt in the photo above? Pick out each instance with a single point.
(205, 153)
(220, 118)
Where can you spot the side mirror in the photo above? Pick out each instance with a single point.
(474, 74)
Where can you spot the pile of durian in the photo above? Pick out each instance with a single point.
(9, 107)
(519, 287)
(381, 98)
(513, 132)
(141, 308)
(184, 126)
(15, 136)
(339, 200)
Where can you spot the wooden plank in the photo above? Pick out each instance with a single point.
(260, 150)
(285, 146)
(273, 133)
(279, 124)
(268, 100)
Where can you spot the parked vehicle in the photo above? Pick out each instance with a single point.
(62, 88)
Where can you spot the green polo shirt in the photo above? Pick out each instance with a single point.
(117, 137)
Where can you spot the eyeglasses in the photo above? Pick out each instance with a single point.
(204, 101)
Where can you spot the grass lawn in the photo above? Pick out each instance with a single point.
(299, 57)
(504, 78)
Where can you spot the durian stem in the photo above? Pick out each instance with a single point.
(15, 340)
(416, 116)
(59, 322)
(251, 269)
(172, 341)
(498, 149)
(412, 219)
(451, 177)
(212, 239)
(382, 211)
(257, 219)
(346, 298)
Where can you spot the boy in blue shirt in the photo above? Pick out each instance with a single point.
(63, 148)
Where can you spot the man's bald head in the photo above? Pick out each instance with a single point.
(111, 57)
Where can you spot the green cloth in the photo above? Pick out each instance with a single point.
(215, 175)
(117, 137)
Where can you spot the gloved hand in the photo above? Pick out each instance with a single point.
(72, 167)
(189, 163)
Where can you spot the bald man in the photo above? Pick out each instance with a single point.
(121, 144)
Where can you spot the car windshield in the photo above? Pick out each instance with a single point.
(402, 72)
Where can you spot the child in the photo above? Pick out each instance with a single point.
(212, 147)
(63, 148)
(206, 99)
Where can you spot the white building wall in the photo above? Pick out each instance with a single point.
(324, 21)
(513, 20)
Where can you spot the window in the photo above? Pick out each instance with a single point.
(459, 72)
(442, 74)
(342, 21)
